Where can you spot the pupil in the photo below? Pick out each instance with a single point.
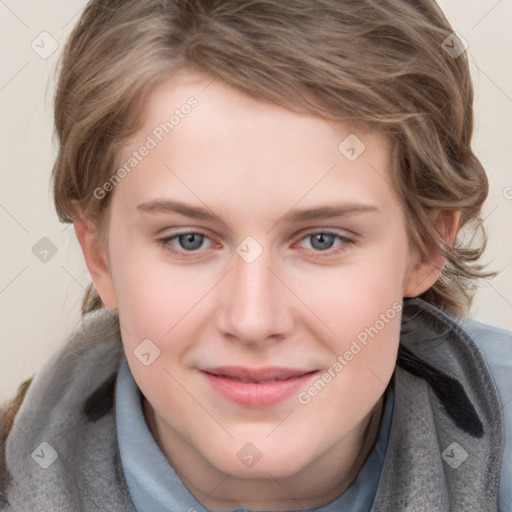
(322, 241)
(191, 241)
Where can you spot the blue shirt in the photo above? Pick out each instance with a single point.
(154, 485)
(496, 345)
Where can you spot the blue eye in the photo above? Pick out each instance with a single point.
(320, 242)
(183, 242)
(190, 241)
(323, 241)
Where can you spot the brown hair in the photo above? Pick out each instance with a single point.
(380, 62)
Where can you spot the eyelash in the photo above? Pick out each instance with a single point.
(341, 247)
(165, 243)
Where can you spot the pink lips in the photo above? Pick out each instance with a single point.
(256, 387)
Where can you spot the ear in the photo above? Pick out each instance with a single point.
(423, 273)
(96, 260)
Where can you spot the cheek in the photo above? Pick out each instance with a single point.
(365, 343)
(361, 307)
(363, 359)
(163, 303)
(352, 297)
(152, 295)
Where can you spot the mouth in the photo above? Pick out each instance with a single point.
(257, 387)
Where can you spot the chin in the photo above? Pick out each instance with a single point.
(259, 460)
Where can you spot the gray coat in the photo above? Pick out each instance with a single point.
(61, 453)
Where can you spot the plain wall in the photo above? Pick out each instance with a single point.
(40, 301)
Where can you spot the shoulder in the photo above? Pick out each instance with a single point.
(496, 346)
(75, 384)
(8, 411)
(487, 333)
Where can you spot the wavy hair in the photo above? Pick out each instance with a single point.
(382, 62)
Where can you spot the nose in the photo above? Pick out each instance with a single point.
(255, 307)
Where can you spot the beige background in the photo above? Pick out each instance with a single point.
(40, 302)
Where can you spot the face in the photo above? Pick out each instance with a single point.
(260, 257)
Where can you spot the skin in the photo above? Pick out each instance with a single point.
(296, 306)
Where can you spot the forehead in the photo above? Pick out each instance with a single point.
(207, 137)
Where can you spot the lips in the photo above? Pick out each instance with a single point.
(257, 387)
(256, 375)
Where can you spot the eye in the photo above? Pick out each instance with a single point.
(190, 241)
(184, 242)
(321, 241)
(324, 241)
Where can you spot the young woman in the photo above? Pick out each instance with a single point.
(268, 196)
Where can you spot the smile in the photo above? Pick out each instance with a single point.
(262, 387)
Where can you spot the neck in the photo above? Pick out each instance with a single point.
(318, 484)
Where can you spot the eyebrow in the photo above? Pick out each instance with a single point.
(168, 206)
(294, 215)
(325, 212)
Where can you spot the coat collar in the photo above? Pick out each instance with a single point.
(446, 440)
